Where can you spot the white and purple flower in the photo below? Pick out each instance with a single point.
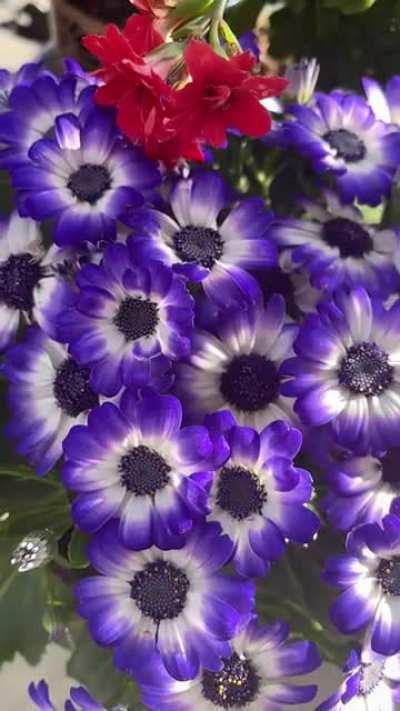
(259, 497)
(238, 366)
(137, 464)
(342, 138)
(347, 371)
(176, 602)
(83, 178)
(80, 699)
(385, 103)
(209, 237)
(127, 320)
(255, 676)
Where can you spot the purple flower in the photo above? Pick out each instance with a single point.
(127, 320)
(340, 136)
(254, 676)
(83, 178)
(205, 240)
(176, 602)
(303, 78)
(339, 249)
(384, 103)
(371, 683)
(362, 489)
(347, 371)
(80, 699)
(258, 496)
(33, 106)
(24, 76)
(28, 284)
(136, 463)
(369, 578)
(49, 392)
(238, 368)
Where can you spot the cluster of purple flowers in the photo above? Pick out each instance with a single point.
(175, 343)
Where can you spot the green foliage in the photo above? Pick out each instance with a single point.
(77, 556)
(349, 7)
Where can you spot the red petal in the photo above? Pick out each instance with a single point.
(140, 32)
(248, 116)
(207, 67)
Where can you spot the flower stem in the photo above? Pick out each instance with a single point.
(216, 20)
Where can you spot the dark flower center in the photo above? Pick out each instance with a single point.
(250, 382)
(389, 576)
(347, 145)
(143, 471)
(160, 590)
(351, 238)
(237, 683)
(240, 492)
(365, 370)
(137, 318)
(89, 182)
(72, 390)
(201, 245)
(18, 277)
(371, 675)
(391, 468)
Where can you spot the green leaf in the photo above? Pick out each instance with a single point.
(77, 550)
(349, 7)
(92, 666)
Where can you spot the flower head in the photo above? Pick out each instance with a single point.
(258, 495)
(80, 699)
(206, 240)
(175, 602)
(347, 371)
(127, 321)
(238, 367)
(341, 137)
(384, 103)
(137, 464)
(369, 578)
(83, 179)
(302, 78)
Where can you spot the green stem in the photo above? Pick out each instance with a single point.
(217, 17)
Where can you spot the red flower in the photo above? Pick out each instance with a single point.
(137, 39)
(222, 95)
(159, 8)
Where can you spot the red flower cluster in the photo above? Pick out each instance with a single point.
(171, 123)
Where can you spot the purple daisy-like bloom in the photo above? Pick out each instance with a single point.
(339, 249)
(49, 393)
(362, 489)
(137, 463)
(33, 107)
(176, 602)
(80, 699)
(369, 577)
(127, 320)
(24, 76)
(258, 497)
(253, 677)
(238, 368)
(83, 178)
(385, 103)
(203, 243)
(372, 683)
(340, 136)
(28, 284)
(347, 371)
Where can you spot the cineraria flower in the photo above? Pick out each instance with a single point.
(202, 244)
(27, 282)
(49, 393)
(339, 249)
(347, 371)
(79, 699)
(25, 75)
(253, 677)
(83, 179)
(258, 496)
(176, 602)
(362, 489)
(372, 683)
(384, 103)
(126, 320)
(136, 463)
(239, 369)
(33, 108)
(223, 94)
(369, 576)
(340, 135)
(302, 78)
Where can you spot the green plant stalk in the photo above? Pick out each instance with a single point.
(216, 20)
